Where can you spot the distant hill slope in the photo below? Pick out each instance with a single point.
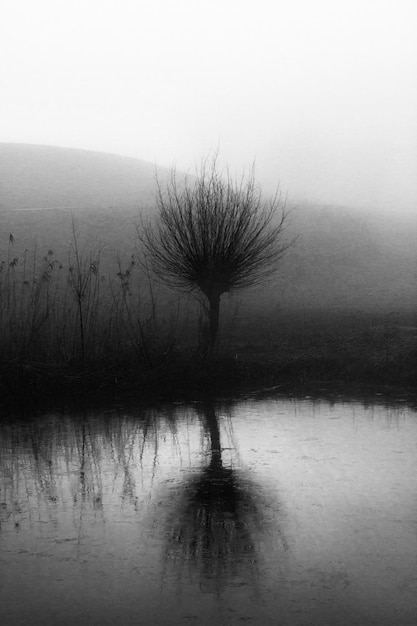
(42, 176)
(345, 259)
(342, 258)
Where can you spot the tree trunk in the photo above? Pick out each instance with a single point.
(213, 427)
(214, 304)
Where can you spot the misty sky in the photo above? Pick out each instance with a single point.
(321, 93)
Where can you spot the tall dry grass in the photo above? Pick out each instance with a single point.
(60, 310)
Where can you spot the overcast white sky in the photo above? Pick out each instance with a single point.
(322, 93)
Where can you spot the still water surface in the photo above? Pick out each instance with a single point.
(277, 511)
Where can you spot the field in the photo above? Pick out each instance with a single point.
(96, 325)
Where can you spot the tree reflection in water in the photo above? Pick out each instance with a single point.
(216, 525)
(109, 467)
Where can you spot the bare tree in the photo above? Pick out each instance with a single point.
(213, 235)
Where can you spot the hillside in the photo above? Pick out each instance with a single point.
(48, 177)
(342, 259)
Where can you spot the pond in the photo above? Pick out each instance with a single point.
(276, 511)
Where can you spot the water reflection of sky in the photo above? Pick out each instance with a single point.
(210, 513)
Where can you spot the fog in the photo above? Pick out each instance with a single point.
(322, 95)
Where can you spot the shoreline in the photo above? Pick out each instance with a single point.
(186, 377)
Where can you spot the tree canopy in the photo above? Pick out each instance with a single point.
(213, 235)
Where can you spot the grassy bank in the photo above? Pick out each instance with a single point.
(182, 374)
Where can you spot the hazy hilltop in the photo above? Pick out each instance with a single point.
(343, 258)
(47, 177)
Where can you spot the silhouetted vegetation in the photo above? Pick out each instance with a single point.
(214, 235)
(69, 329)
